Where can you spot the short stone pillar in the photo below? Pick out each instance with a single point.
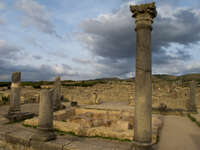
(57, 94)
(45, 122)
(191, 103)
(95, 99)
(144, 15)
(14, 112)
(14, 109)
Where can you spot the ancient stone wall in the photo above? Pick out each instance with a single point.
(111, 91)
(173, 94)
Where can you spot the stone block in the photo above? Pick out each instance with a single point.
(98, 122)
(19, 116)
(21, 137)
(123, 125)
(84, 121)
(43, 135)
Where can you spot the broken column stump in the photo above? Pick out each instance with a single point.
(57, 95)
(191, 102)
(14, 112)
(45, 122)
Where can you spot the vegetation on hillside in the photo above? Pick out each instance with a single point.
(185, 79)
(85, 83)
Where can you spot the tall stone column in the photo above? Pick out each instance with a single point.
(57, 94)
(191, 103)
(143, 15)
(45, 122)
(14, 109)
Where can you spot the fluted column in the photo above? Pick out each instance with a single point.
(143, 15)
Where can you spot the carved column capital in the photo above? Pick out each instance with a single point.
(143, 14)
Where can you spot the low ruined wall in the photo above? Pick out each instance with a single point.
(105, 92)
(173, 95)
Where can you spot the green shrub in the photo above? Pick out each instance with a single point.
(36, 86)
(4, 84)
(162, 107)
(65, 100)
(5, 99)
(193, 120)
(85, 83)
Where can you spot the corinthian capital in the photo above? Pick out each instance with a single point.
(144, 13)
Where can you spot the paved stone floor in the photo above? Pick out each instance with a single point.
(112, 105)
(33, 108)
(179, 133)
(66, 142)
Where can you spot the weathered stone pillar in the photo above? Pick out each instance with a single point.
(57, 94)
(144, 15)
(45, 121)
(14, 109)
(191, 103)
(14, 112)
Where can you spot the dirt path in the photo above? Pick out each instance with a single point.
(179, 133)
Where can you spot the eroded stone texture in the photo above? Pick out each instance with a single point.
(143, 15)
(45, 121)
(15, 94)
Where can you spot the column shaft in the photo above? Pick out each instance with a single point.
(57, 94)
(143, 15)
(15, 93)
(143, 108)
(45, 110)
(45, 121)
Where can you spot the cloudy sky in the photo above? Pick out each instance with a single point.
(87, 39)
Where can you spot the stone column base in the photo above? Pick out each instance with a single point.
(19, 116)
(142, 146)
(43, 135)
